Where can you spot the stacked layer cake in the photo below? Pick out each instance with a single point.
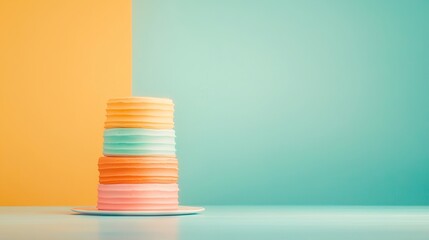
(139, 170)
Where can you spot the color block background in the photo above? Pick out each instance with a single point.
(277, 102)
(292, 102)
(60, 61)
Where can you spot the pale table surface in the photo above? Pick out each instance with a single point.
(222, 222)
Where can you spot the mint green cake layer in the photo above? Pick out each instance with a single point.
(138, 142)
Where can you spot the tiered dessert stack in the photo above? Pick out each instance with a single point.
(139, 170)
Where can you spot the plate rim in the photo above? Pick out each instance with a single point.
(95, 212)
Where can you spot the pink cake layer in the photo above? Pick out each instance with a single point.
(134, 197)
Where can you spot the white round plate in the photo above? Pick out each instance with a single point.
(183, 210)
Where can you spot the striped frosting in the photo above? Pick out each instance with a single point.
(140, 112)
(139, 142)
(132, 170)
(137, 197)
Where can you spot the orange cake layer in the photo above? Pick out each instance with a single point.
(140, 112)
(138, 170)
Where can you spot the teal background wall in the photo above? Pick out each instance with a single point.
(292, 102)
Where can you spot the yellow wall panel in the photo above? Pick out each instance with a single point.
(59, 63)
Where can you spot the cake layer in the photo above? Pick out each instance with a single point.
(140, 112)
(138, 142)
(147, 169)
(134, 197)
